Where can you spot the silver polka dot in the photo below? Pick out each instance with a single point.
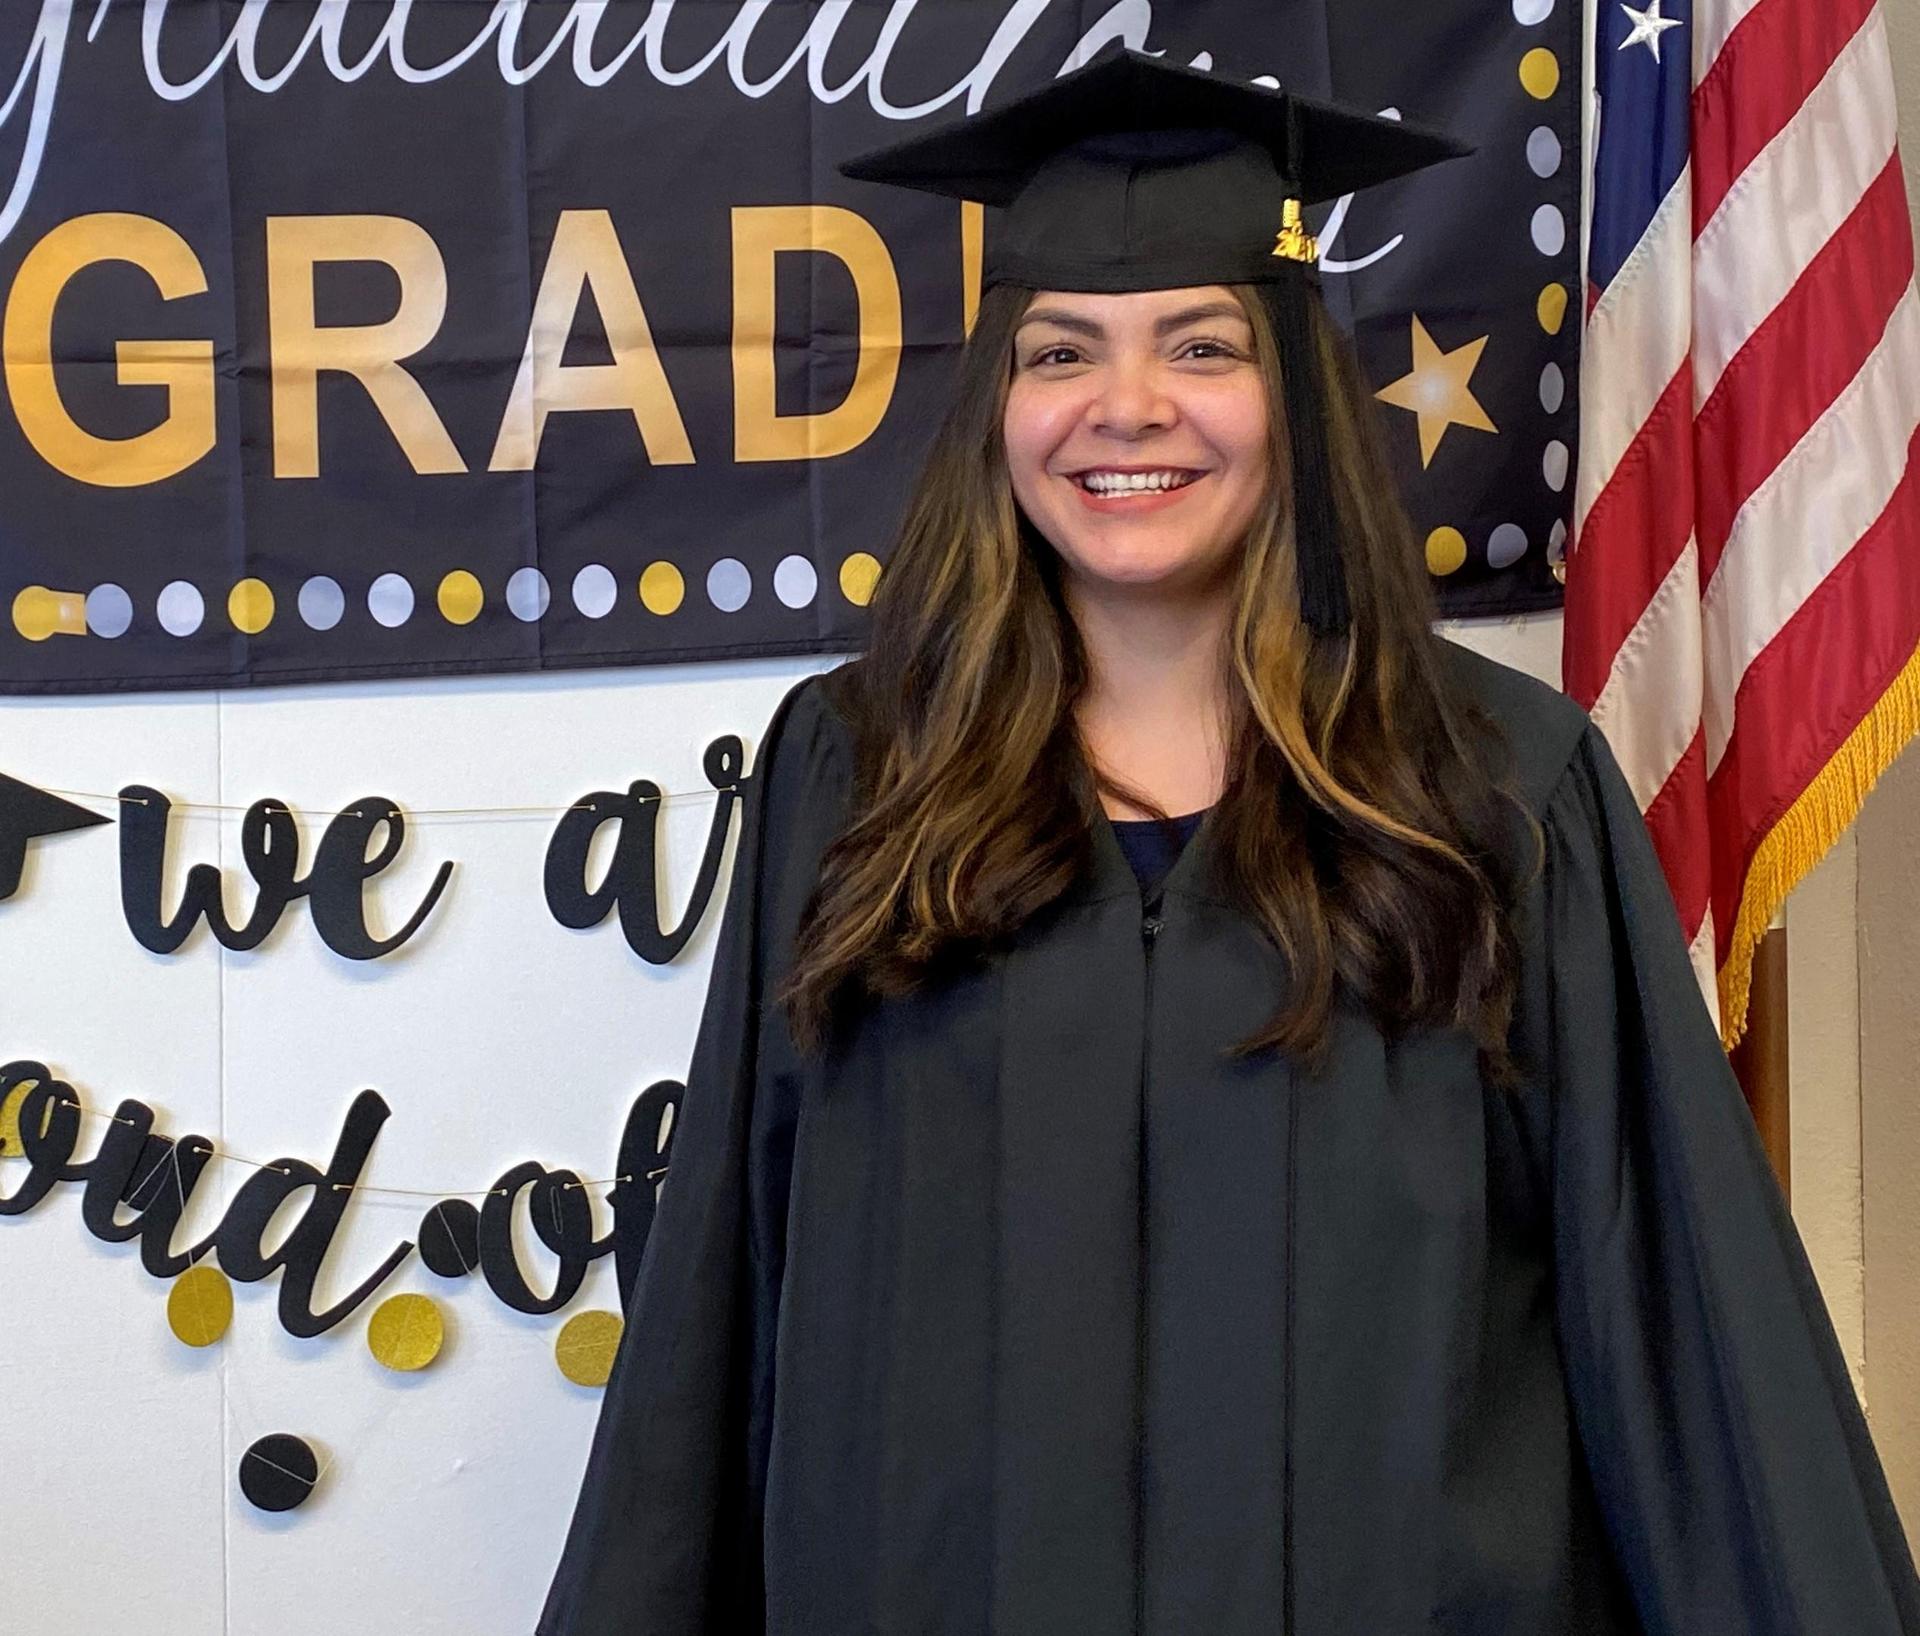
(729, 585)
(594, 591)
(1543, 151)
(322, 603)
(1553, 465)
(390, 600)
(794, 581)
(109, 611)
(1530, 12)
(180, 608)
(527, 594)
(1506, 545)
(1553, 389)
(1549, 230)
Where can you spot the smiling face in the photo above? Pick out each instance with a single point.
(1136, 433)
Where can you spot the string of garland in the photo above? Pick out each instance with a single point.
(10, 1149)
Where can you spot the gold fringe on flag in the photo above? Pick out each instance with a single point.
(1808, 829)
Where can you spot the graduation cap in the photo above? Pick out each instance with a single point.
(1130, 173)
(27, 813)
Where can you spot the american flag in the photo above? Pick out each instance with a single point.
(1743, 589)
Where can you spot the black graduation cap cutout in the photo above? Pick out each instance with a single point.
(1134, 174)
(26, 813)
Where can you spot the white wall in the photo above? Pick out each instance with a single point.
(496, 1036)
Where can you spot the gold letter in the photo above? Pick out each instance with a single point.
(371, 353)
(184, 368)
(586, 254)
(972, 247)
(760, 233)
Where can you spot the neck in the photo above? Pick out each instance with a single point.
(1153, 715)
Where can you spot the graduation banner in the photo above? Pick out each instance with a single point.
(368, 339)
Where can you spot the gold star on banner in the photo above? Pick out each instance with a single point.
(1437, 390)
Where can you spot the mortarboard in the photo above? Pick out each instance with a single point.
(1134, 174)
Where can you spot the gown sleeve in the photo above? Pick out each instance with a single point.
(1728, 1452)
(666, 1532)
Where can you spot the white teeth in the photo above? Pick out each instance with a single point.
(1105, 482)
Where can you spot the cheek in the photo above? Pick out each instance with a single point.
(1035, 424)
(1236, 425)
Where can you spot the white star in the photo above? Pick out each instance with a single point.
(1648, 26)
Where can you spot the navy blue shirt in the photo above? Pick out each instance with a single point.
(1153, 847)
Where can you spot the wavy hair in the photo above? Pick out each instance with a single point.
(1365, 798)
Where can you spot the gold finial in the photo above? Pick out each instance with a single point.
(1295, 242)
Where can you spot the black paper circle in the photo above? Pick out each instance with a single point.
(450, 1238)
(278, 1472)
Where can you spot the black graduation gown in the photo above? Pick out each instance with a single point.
(1029, 1313)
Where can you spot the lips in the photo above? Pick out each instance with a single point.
(1111, 482)
(1145, 500)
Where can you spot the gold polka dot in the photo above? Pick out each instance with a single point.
(1446, 550)
(406, 1331)
(858, 576)
(1540, 73)
(460, 598)
(250, 606)
(200, 1305)
(586, 1346)
(661, 588)
(38, 613)
(1552, 308)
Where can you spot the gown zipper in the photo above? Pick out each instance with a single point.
(1150, 923)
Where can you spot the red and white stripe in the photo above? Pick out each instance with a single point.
(1745, 578)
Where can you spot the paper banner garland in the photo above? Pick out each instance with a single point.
(586, 1346)
(277, 1473)
(270, 848)
(26, 814)
(406, 1332)
(154, 1177)
(200, 1306)
(336, 886)
(630, 881)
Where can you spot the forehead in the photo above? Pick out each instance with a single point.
(1134, 308)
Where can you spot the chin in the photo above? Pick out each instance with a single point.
(1136, 572)
(1143, 562)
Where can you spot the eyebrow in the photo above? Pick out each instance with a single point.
(1172, 321)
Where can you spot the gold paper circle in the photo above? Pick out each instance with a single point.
(1540, 73)
(405, 1332)
(1446, 550)
(1552, 308)
(200, 1305)
(661, 588)
(858, 576)
(10, 1145)
(586, 1346)
(250, 606)
(460, 598)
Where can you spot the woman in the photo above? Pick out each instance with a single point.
(1203, 1120)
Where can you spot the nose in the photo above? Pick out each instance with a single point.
(1131, 400)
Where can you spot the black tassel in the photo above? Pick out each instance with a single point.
(1323, 581)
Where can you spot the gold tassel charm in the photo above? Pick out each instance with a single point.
(1295, 242)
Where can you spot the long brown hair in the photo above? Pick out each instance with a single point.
(1364, 791)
